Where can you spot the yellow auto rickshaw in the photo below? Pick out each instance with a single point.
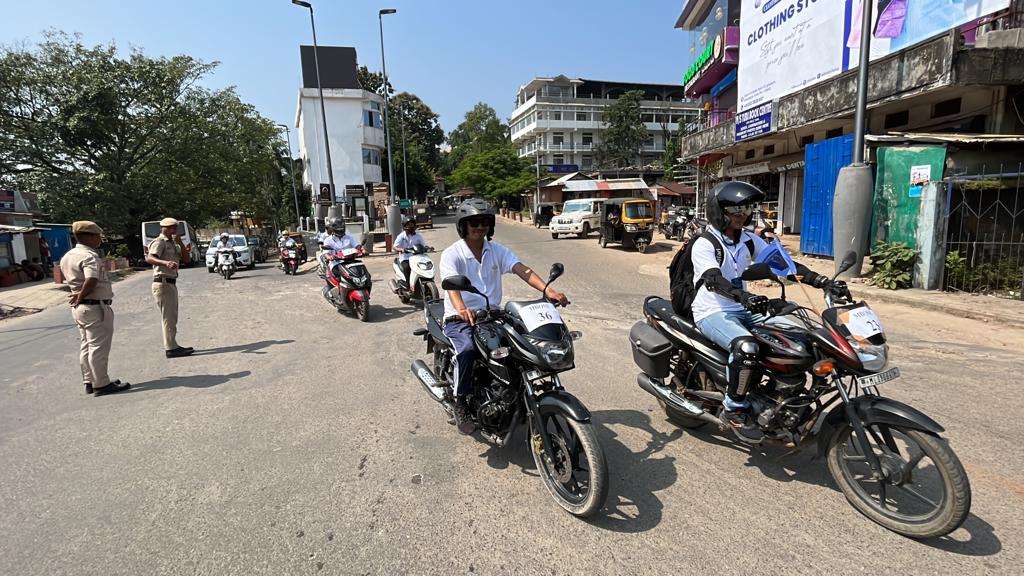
(628, 221)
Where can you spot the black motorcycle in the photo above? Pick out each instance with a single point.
(523, 349)
(821, 373)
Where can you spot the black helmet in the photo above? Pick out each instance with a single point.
(473, 212)
(409, 223)
(727, 194)
(336, 225)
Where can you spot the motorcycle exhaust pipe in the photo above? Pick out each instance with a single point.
(427, 378)
(669, 397)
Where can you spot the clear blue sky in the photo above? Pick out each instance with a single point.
(451, 53)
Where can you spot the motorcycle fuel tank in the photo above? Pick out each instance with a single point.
(784, 351)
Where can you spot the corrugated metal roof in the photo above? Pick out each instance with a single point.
(596, 185)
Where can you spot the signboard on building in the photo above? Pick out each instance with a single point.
(713, 63)
(324, 195)
(755, 122)
(562, 168)
(786, 45)
(6, 201)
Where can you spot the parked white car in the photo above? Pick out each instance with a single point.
(243, 253)
(578, 217)
(478, 203)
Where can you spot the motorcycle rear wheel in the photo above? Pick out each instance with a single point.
(878, 499)
(578, 480)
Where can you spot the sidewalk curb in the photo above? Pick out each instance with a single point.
(894, 297)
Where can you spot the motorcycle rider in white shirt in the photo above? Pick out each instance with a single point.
(407, 239)
(483, 262)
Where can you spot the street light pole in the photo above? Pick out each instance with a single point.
(387, 125)
(320, 89)
(291, 173)
(405, 158)
(860, 112)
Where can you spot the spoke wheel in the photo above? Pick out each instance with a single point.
(577, 476)
(924, 491)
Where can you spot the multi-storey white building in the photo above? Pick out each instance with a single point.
(354, 125)
(559, 121)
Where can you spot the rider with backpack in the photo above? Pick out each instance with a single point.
(706, 286)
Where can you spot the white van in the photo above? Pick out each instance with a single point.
(150, 230)
(578, 217)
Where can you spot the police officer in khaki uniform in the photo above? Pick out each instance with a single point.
(165, 254)
(91, 296)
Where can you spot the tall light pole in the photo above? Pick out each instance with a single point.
(320, 89)
(291, 173)
(405, 159)
(851, 203)
(387, 125)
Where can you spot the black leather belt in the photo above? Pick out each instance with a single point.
(165, 280)
(95, 302)
(455, 318)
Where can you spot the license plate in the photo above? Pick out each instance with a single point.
(880, 378)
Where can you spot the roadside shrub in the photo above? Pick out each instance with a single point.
(893, 265)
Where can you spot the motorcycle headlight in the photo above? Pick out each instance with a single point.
(631, 228)
(556, 353)
(425, 265)
(873, 357)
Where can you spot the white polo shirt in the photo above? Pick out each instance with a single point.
(485, 275)
(736, 259)
(334, 243)
(405, 240)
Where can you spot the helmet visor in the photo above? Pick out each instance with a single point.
(735, 210)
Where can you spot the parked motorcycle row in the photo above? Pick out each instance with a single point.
(821, 373)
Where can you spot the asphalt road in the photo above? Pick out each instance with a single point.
(296, 441)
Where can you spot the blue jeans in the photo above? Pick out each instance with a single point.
(461, 336)
(724, 327)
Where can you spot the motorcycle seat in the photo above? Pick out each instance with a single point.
(662, 310)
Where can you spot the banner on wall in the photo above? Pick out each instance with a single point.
(786, 45)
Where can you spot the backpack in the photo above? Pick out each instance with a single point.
(681, 286)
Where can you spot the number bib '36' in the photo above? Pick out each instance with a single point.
(536, 315)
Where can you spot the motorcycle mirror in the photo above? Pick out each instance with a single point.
(556, 270)
(575, 334)
(460, 283)
(760, 271)
(848, 261)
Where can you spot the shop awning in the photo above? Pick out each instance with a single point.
(19, 229)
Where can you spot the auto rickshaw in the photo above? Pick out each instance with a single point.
(628, 221)
(423, 217)
(545, 212)
(300, 245)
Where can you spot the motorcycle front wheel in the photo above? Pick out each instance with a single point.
(578, 478)
(363, 310)
(430, 292)
(924, 492)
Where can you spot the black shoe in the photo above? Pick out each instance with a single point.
(179, 352)
(743, 426)
(112, 388)
(88, 388)
(463, 419)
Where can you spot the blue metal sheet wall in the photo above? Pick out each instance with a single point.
(822, 162)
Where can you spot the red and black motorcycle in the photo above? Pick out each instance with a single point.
(290, 260)
(348, 283)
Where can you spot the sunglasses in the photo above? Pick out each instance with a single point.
(734, 210)
(476, 223)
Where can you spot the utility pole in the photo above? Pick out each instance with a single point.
(320, 89)
(291, 174)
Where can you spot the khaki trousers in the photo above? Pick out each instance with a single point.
(166, 296)
(96, 329)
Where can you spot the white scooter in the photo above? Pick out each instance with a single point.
(421, 285)
(226, 262)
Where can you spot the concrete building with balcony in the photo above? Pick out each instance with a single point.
(558, 122)
(965, 80)
(355, 127)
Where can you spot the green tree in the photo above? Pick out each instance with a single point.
(423, 139)
(373, 81)
(124, 139)
(480, 130)
(625, 132)
(494, 173)
(671, 156)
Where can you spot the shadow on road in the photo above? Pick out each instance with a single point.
(251, 348)
(47, 331)
(516, 452)
(633, 477)
(982, 539)
(196, 381)
(386, 313)
(55, 327)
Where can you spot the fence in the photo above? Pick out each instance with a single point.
(985, 232)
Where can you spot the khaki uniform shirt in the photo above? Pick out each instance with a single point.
(165, 249)
(82, 262)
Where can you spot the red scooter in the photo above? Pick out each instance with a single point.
(290, 260)
(348, 283)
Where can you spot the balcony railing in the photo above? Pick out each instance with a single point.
(709, 119)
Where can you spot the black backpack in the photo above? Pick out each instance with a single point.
(680, 273)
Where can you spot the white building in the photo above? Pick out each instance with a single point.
(354, 124)
(559, 121)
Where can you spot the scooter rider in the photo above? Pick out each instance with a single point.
(484, 262)
(722, 308)
(225, 241)
(405, 240)
(338, 240)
